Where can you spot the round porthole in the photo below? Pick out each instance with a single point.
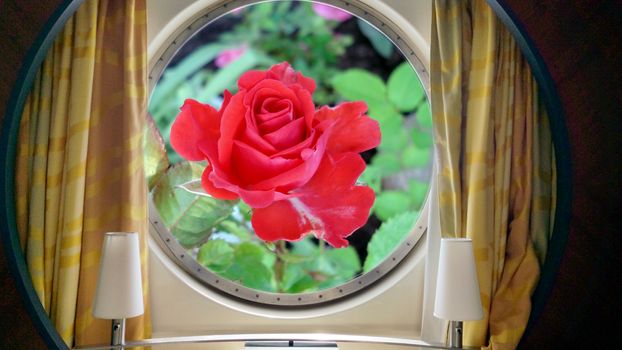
(352, 53)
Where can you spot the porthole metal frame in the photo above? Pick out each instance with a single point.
(177, 253)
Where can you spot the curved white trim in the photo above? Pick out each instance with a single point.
(192, 10)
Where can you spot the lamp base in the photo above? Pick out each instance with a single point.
(455, 334)
(118, 332)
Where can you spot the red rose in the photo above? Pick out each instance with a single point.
(269, 146)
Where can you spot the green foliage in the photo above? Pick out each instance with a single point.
(216, 255)
(379, 41)
(414, 156)
(272, 32)
(417, 191)
(190, 218)
(252, 266)
(357, 84)
(318, 267)
(227, 77)
(390, 234)
(421, 139)
(372, 177)
(155, 160)
(424, 116)
(391, 203)
(176, 76)
(294, 33)
(387, 163)
(400, 166)
(404, 88)
(170, 94)
(227, 246)
(395, 135)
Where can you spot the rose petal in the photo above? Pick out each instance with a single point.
(285, 73)
(272, 107)
(296, 150)
(251, 166)
(196, 122)
(261, 199)
(307, 106)
(250, 78)
(230, 124)
(254, 198)
(279, 221)
(214, 191)
(353, 131)
(329, 205)
(282, 72)
(252, 138)
(288, 135)
(269, 89)
(302, 173)
(275, 123)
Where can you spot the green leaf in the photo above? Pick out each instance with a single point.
(384, 112)
(155, 160)
(415, 157)
(216, 255)
(249, 268)
(422, 139)
(345, 261)
(297, 280)
(394, 135)
(194, 187)
(404, 88)
(305, 247)
(190, 218)
(344, 264)
(235, 228)
(174, 76)
(358, 84)
(294, 258)
(388, 237)
(372, 177)
(424, 116)
(378, 40)
(228, 75)
(245, 210)
(418, 191)
(386, 163)
(391, 203)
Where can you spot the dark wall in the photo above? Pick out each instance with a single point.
(581, 44)
(20, 24)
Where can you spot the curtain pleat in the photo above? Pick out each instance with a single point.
(495, 162)
(79, 163)
(116, 190)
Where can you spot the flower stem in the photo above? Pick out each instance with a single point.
(279, 265)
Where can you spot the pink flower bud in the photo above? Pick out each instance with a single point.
(229, 55)
(330, 12)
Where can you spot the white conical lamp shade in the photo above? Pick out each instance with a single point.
(457, 289)
(119, 291)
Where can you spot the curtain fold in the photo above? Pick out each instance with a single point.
(496, 171)
(79, 164)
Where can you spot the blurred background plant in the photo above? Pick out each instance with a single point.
(349, 60)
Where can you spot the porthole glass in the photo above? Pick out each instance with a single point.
(352, 56)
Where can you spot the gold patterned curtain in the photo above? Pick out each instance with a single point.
(496, 167)
(79, 170)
